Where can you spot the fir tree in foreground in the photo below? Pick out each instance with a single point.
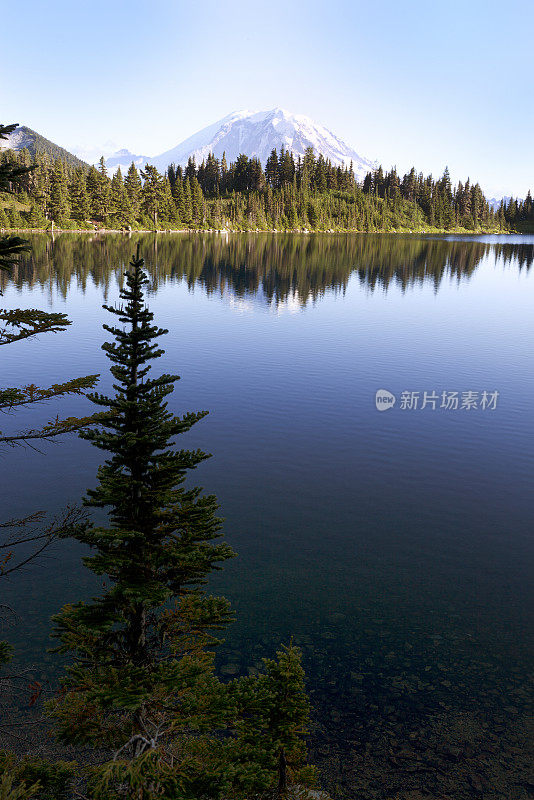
(273, 717)
(142, 673)
(142, 683)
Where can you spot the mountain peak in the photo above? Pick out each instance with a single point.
(257, 133)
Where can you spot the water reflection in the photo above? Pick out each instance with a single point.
(283, 269)
(395, 550)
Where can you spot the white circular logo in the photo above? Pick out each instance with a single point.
(384, 400)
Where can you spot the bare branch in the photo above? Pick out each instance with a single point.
(58, 528)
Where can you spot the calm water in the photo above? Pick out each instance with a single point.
(396, 547)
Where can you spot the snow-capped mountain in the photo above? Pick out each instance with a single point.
(255, 134)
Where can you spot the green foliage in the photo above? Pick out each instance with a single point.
(309, 194)
(22, 323)
(59, 206)
(35, 778)
(133, 188)
(11, 790)
(153, 193)
(11, 177)
(78, 197)
(12, 173)
(6, 652)
(519, 213)
(273, 718)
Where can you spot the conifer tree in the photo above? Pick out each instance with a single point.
(191, 169)
(224, 173)
(120, 206)
(142, 677)
(78, 197)
(178, 197)
(133, 187)
(271, 170)
(153, 193)
(197, 203)
(187, 204)
(103, 192)
(92, 184)
(274, 718)
(168, 206)
(59, 205)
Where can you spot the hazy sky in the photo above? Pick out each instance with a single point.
(422, 82)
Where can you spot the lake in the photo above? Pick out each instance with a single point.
(394, 546)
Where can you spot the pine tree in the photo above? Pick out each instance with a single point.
(320, 174)
(272, 172)
(59, 205)
(133, 187)
(274, 718)
(142, 677)
(40, 185)
(120, 206)
(210, 184)
(10, 246)
(187, 204)
(78, 197)
(224, 173)
(92, 183)
(168, 206)
(103, 193)
(197, 203)
(178, 197)
(153, 192)
(190, 170)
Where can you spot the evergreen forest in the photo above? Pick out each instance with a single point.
(303, 194)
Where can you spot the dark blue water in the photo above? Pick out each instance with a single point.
(395, 547)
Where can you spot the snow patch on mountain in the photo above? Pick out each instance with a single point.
(256, 133)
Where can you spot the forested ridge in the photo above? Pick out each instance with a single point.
(308, 193)
(39, 145)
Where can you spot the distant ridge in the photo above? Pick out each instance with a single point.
(495, 202)
(26, 137)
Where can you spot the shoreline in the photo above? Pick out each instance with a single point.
(301, 231)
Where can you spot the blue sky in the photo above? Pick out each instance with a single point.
(421, 82)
